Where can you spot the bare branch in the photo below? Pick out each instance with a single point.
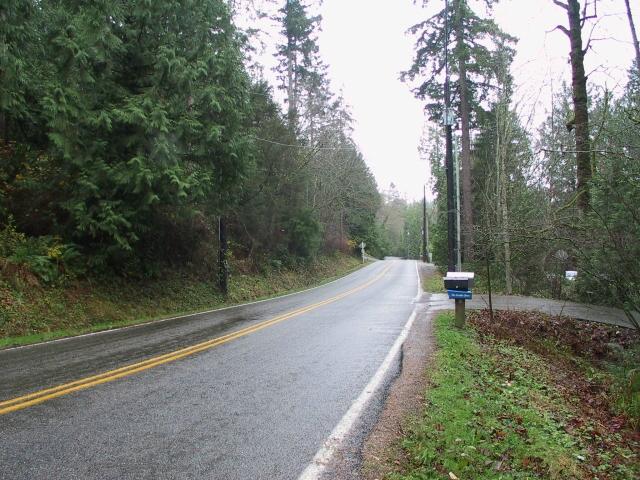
(591, 39)
(586, 17)
(563, 29)
(560, 4)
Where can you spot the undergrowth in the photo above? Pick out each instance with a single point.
(32, 312)
(431, 279)
(598, 362)
(494, 410)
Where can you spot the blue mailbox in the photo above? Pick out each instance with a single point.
(459, 285)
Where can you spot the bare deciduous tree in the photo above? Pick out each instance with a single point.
(580, 121)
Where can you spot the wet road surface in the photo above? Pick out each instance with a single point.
(258, 406)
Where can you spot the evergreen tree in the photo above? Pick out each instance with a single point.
(606, 243)
(20, 53)
(557, 147)
(143, 105)
(298, 55)
(474, 44)
(275, 186)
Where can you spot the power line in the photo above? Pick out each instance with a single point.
(302, 146)
(603, 152)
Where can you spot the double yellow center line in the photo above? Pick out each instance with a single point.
(41, 396)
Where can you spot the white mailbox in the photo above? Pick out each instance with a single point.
(459, 280)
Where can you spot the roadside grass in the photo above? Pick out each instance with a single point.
(595, 362)
(615, 379)
(493, 410)
(432, 281)
(31, 314)
(623, 377)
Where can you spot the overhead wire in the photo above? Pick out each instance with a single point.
(309, 147)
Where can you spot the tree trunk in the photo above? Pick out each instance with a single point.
(580, 102)
(634, 35)
(504, 220)
(3, 128)
(292, 110)
(465, 155)
(486, 257)
(291, 95)
(503, 139)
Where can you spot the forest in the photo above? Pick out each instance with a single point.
(535, 202)
(131, 130)
(195, 170)
(141, 138)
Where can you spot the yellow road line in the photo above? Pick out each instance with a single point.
(41, 396)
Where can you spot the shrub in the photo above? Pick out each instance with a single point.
(305, 234)
(45, 257)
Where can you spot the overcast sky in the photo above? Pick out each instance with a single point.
(365, 45)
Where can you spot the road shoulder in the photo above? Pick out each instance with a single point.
(404, 402)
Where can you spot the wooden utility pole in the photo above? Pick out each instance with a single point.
(425, 226)
(456, 170)
(448, 122)
(451, 210)
(465, 138)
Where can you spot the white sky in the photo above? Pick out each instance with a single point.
(365, 46)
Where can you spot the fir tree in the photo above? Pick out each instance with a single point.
(298, 55)
(473, 44)
(145, 108)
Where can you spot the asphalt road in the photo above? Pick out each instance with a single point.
(257, 404)
(580, 311)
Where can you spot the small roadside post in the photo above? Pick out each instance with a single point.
(458, 286)
(223, 265)
(362, 245)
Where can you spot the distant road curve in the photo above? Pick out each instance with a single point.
(581, 311)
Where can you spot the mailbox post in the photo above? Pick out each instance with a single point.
(458, 286)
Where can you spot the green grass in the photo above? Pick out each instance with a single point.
(433, 283)
(492, 413)
(37, 314)
(624, 379)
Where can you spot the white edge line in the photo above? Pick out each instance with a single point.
(161, 320)
(323, 456)
(419, 294)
